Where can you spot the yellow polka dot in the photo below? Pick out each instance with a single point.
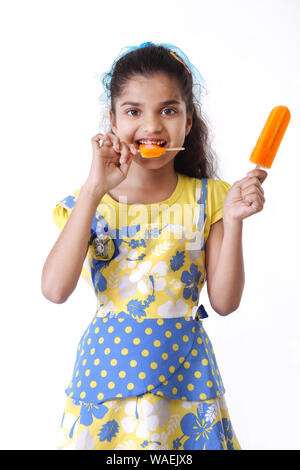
(174, 390)
(161, 378)
(100, 340)
(181, 359)
(87, 372)
(202, 396)
(164, 356)
(185, 338)
(136, 341)
(130, 386)
(106, 351)
(150, 387)
(133, 363)
(84, 362)
(178, 326)
(160, 321)
(82, 395)
(121, 320)
(71, 394)
(197, 374)
(97, 330)
(186, 365)
(89, 341)
(148, 331)
(193, 329)
(77, 373)
(111, 385)
(82, 353)
(79, 383)
(124, 352)
(142, 375)
(122, 374)
(119, 395)
(184, 398)
(103, 373)
(180, 378)
(175, 347)
(172, 369)
(153, 365)
(194, 352)
(97, 362)
(187, 318)
(218, 394)
(128, 329)
(168, 334)
(199, 340)
(206, 339)
(204, 362)
(117, 340)
(110, 329)
(156, 343)
(145, 352)
(93, 384)
(209, 383)
(190, 387)
(100, 396)
(114, 362)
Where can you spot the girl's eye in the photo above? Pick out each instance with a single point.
(133, 111)
(172, 111)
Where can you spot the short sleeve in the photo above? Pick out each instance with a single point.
(60, 215)
(216, 193)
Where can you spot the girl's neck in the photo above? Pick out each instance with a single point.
(144, 186)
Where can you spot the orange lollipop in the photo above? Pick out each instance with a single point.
(269, 140)
(151, 151)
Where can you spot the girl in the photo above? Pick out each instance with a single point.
(146, 233)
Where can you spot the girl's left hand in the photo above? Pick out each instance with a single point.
(245, 197)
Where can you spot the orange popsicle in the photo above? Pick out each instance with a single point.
(150, 151)
(269, 140)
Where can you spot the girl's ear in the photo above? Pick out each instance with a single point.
(189, 123)
(112, 121)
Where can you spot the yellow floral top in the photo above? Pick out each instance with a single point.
(146, 264)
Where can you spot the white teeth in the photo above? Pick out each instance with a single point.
(151, 142)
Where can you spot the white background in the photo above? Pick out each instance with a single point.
(248, 52)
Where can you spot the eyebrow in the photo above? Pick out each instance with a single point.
(163, 103)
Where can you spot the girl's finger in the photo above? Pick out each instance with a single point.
(251, 189)
(255, 199)
(114, 140)
(258, 173)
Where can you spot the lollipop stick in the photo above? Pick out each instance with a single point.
(174, 148)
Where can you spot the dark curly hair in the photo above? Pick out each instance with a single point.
(198, 159)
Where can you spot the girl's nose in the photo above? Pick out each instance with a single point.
(151, 124)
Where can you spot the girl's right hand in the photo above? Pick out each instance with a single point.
(110, 162)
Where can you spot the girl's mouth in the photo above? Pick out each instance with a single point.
(160, 143)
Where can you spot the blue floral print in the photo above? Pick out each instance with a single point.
(89, 410)
(203, 434)
(177, 261)
(191, 279)
(108, 431)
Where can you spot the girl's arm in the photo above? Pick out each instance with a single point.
(64, 263)
(63, 266)
(225, 267)
(224, 253)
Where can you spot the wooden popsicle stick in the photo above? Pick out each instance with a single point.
(169, 149)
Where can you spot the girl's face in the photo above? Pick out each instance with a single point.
(151, 109)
